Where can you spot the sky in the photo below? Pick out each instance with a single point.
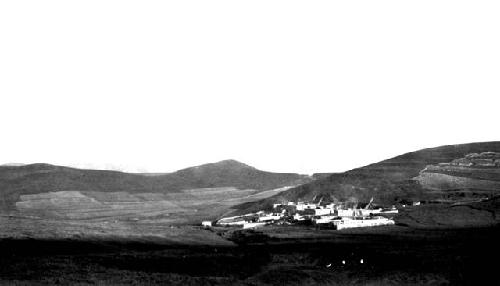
(284, 86)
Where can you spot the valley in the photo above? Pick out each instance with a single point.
(66, 225)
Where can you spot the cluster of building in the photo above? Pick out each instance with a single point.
(335, 216)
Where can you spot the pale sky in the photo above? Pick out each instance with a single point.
(285, 86)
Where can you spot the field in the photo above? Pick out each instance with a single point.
(390, 256)
(184, 207)
(146, 232)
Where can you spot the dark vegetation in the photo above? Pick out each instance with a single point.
(40, 178)
(395, 257)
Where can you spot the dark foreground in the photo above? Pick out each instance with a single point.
(408, 257)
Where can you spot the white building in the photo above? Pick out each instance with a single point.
(304, 206)
(324, 219)
(270, 217)
(370, 212)
(234, 220)
(253, 224)
(346, 213)
(322, 211)
(390, 211)
(238, 222)
(331, 206)
(353, 223)
(298, 217)
(206, 223)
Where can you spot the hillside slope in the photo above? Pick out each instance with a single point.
(62, 187)
(400, 179)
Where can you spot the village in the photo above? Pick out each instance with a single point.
(327, 216)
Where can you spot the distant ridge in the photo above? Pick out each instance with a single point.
(12, 164)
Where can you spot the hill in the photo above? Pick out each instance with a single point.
(235, 174)
(59, 191)
(443, 174)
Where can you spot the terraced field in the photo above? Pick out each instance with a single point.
(78, 205)
(188, 206)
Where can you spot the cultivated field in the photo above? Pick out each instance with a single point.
(185, 207)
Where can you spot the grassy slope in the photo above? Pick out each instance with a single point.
(471, 214)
